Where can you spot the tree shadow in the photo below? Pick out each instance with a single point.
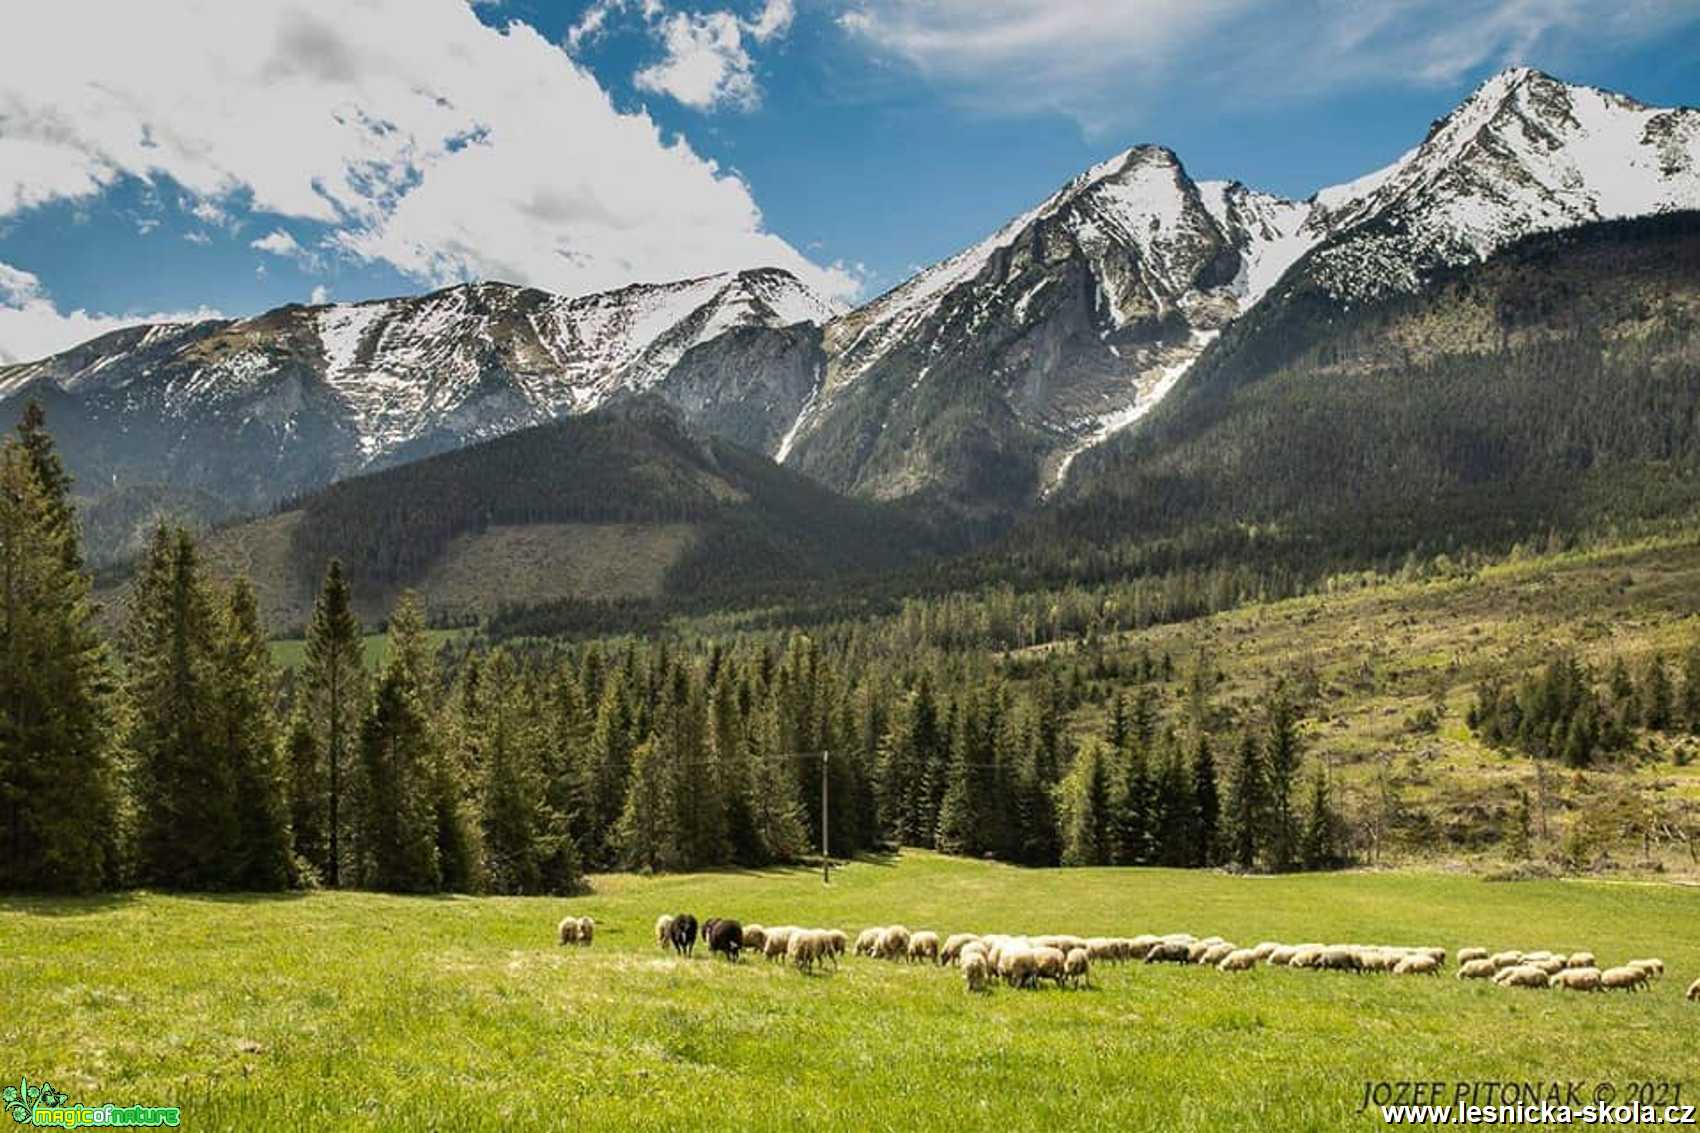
(60, 905)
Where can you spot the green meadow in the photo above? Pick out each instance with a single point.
(372, 1011)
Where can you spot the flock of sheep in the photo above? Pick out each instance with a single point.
(1067, 960)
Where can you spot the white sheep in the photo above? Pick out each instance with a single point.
(970, 950)
(755, 938)
(1476, 969)
(924, 946)
(1077, 967)
(1216, 953)
(1626, 978)
(1581, 960)
(975, 971)
(894, 943)
(1239, 960)
(806, 947)
(567, 930)
(1693, 992)
(1263, 949)
(1465, 955)
(777, 941)
(664, 931)
(1281, 955)
(1576, 979)
(1521, 975)
(1654, 968)
(837, 940)
(868, 940)
(1018, 966)
(1417, 964)
(1503, 960)
(586, 931)
(1051, 964)
(953, 945)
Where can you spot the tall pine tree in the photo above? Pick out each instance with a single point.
(334, 684)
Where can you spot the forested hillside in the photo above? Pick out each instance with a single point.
(624, 503)
(1552, 387)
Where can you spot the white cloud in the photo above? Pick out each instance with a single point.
(1104, 61)
(414, 134)
(278, 243)
(706, 65)
(705, 62)
(32, 326)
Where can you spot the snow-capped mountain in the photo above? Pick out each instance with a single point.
(1525, 153)
(254, 409)
(1072, 321)
(978, 380)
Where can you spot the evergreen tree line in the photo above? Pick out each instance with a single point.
(179, 758)
(1566, 713)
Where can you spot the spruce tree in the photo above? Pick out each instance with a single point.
(334, 683)
(1657, 696)
(1247, 815)
(1206, 803)
(1281, 766)
(1691, 689)
(304, 764)
(612, 739)
(644, 832)
(1321, 844)
(247, 724)
(1087, 810)
(188, 832)
(525, 841)
(58, 794)
(398, 822)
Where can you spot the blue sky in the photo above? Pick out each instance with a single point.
(202, 160)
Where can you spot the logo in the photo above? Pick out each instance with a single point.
(45, 1107)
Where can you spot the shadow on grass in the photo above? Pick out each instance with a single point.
(48, 905)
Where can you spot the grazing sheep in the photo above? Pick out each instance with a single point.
(1626, 978)
(1019, 967)
(755, 938)
(1264, 949)
(1062, 942)
(868, 940)
(1521, 975)
(684, 933)
(1536, 957)
(1465, 955)
(1438, 955)
(1216, 953)
(924, 946)
(586, 931)
(894, 943)
(975, 971)
(1239, 960)
(1281, 956)
(953, 945)
(1655, 968)
(567, 930)
(725, 937)
(1551, 965)
(1140, 945)
(1418, 964)
(970, 950)
(1339, 958)
(1077, 967)
(1101, 949)
(664, 930)
(1306, 956)
(807, 947)
(1051, 964)
(836, 942)
(1580, 960)
(1576, 979)
(1693, 992)
(1476, 970)
(776, 941)
(1168, 952)
(1503, 960)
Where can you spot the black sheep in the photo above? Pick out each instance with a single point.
(683, 933)
(725, 937)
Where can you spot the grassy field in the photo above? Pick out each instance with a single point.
(291, 652)
(388, 1012)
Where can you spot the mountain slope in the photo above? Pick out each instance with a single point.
(1555, 386)
(621, 503)
(983, 377)
(253, 410)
